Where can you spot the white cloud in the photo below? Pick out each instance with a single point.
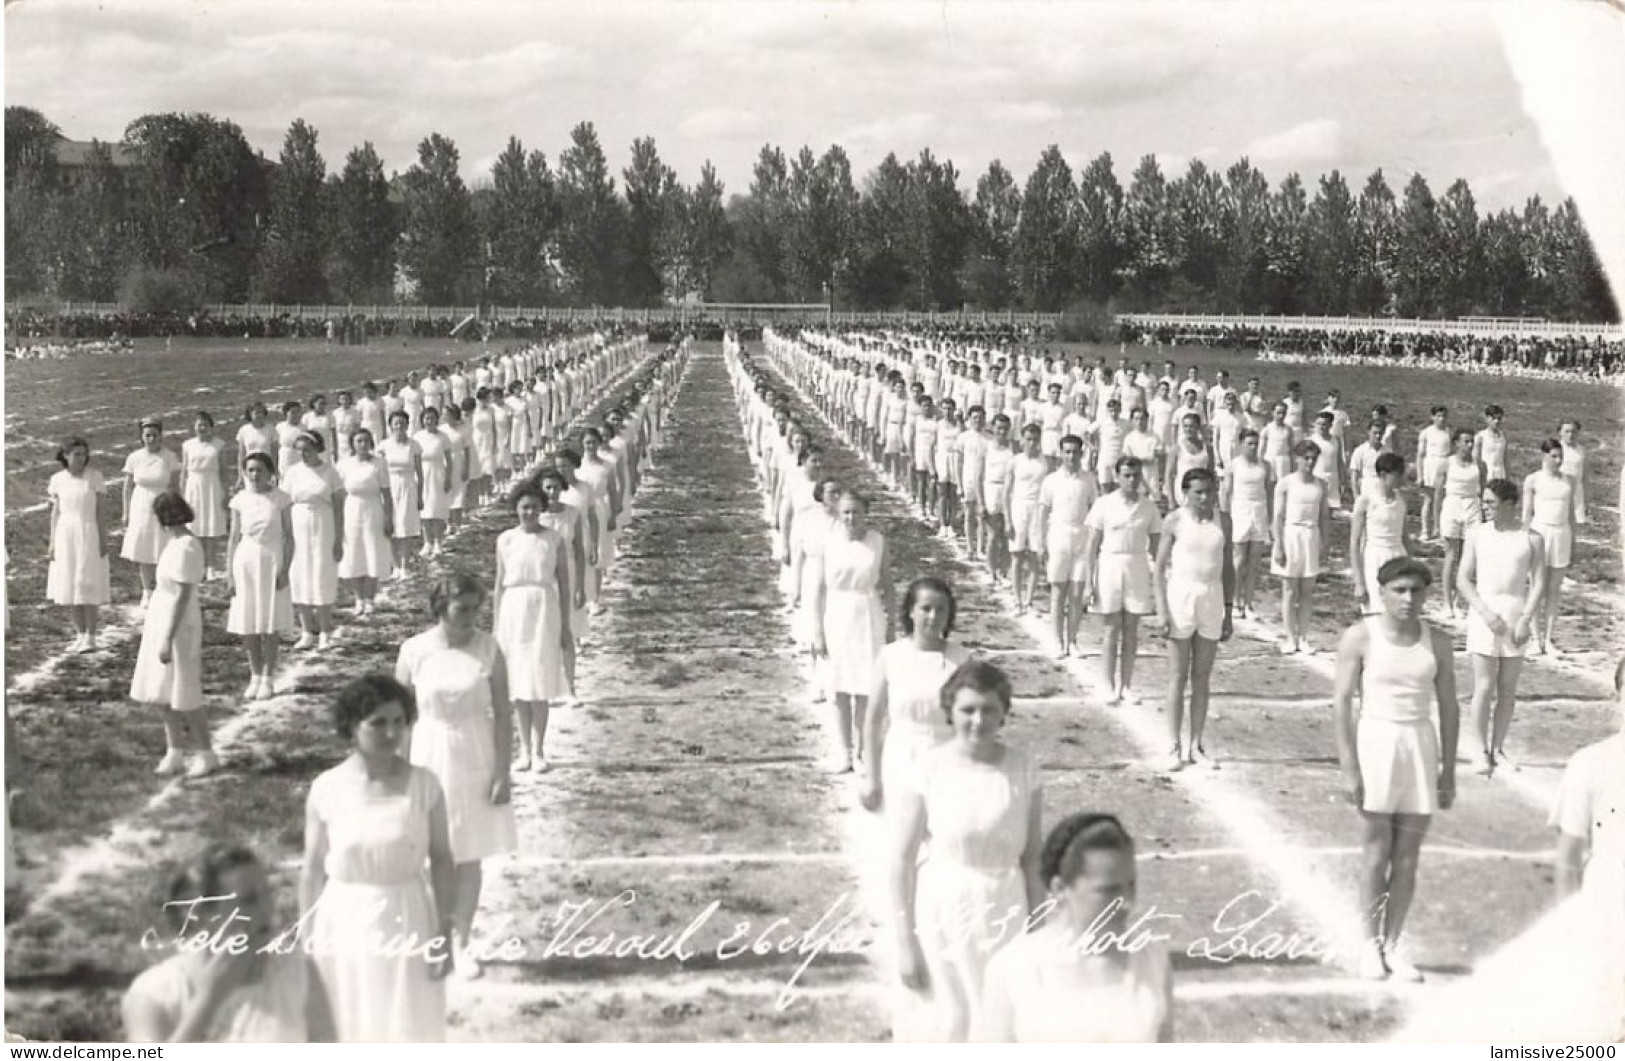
(721, 123)
(1319, 142)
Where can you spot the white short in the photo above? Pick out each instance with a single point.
(1195, 608)
(1399, 766)
(1250, 523)
(1026, 526)
(1301, 544)
(1481, 640)
(1064, 560)
(925, 460)
(1457, 516)
(993, 498)
(1433, 471)
(1123, 584)
(1559, 544)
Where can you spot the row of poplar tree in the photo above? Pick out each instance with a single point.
(184, 209)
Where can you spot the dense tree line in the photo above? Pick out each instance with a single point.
(196, 214)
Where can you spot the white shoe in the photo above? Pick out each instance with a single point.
(253, 690)
(1308, 650)
(205, 764)
(425, 551)
(1174, 761)
(305, 640)
(146, 597)
(1289, 648)
(360, 607)
(1130, 697)
(268, 689)
(173, 762)
(1399, 963)
(324, 642)
(78, 644)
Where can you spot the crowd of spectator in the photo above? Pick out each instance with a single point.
(1546, 356)
(28, 324)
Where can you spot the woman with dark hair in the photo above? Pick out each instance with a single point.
(256, 435)
(204, 487)
(380, 927)
(169, 664)
(258, 558)
(980, 803)
(316, 493)
(532, 625)
(404, 460)
(288, 430)
(849, 611)
(459, 678)
(77, 575)
(258, 992)
(364, 555)
(149, 471)
(905, 718)
(436, 463)
(1082, 977)
(810, 528)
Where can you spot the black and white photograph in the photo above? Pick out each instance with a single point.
(688, 521)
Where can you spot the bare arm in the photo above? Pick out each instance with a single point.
(1572, 855)
(1159, 566)
(1357, 546)
(1036, 891)
(502, 716)
(1350, 667)
(874, 732)
(443, 881)
(1444, 688)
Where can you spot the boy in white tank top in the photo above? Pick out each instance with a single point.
(1395, 769)
(1195, 583)
(1502, 574)
(1377, 529)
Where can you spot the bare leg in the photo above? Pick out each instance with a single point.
(1059, 594)
(255, 643)
(1452, 557)
(1289, 611)
(1485, 677)
(174, 729)
(1130, 649)
(469, 879)
(1375, 868)
(196, 727)
(1553, 602)
(860, 708)
(149, 577)
(843, 721)
(1409, 830)
(522, 709)
(1203, 653)
(1306, 606)
(1111, 635)
(324, 618)
(1506, 698)
(1179, 668)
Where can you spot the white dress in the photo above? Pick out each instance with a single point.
(854, 621)
(971, 897)
(366, 546)
(1036, 980)
(455, 737)
(403, 485)
(377, 886)
(915, 721)
(177, 684)
(528, 624)
(151, 473)
(271, 1010)
(257, 606)
(314, 578)
(205, 490)
(78, 573)
(436, 495)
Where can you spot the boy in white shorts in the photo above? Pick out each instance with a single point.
(1432, 450)
(1066, 497)
(996, 499)
(1302, 525)
(1396, 771)
(1026, 480)
(1195, 581)
(1117, 573)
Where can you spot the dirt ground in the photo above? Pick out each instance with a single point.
(686, 813)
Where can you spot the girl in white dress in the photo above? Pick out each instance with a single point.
(810, 529)
(1377, 531)
(258, 558)
(980, 803)
(287, 435)
(77, 575)
(578, 495)
(483, 461)
(1549, 509)
(502, 440)
(436, 468)
(905, 720)
(851, 612)
(169, 663)
(379, 925)
(599, 476)
(532, 624)
(459, 447)
(368, 519)
(256, 435)
(370, 411)
(464, 736)
(404, 459)
(266, 993)
(1456, 499)
(203, 485)
(149, 471)
(346, 418)
(518, 426)
(1083, 976)
(317, 493)
(1302, 525)
(318, 419)
(1248, 486)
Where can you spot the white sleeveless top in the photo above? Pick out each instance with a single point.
(1385, 524)
(1198, 552)
(1504, 557)
(1396, 684)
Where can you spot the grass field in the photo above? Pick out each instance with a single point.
(691, 778)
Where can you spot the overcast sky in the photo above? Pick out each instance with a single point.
(1307, 86)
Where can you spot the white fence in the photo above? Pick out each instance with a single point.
(1489, 327)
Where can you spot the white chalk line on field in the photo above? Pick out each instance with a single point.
(111, 852)
(1337, 923)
